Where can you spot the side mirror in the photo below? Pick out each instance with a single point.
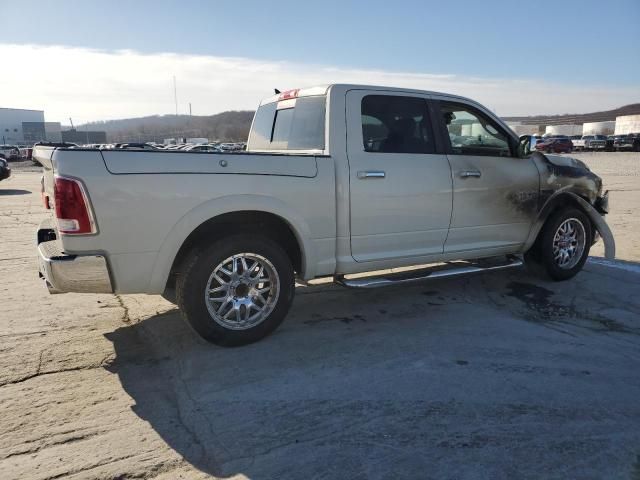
(524, 146)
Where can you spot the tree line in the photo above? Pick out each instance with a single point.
(232, 126)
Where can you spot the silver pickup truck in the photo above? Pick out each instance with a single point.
(336, 180)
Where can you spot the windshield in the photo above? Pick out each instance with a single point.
(292, 124)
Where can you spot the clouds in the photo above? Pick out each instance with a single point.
(96, 85)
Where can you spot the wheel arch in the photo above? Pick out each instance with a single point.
(245, 213)
(566, 198)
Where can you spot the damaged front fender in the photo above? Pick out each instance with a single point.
(600, 224)
(563, 198)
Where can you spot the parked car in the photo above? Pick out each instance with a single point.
(555, 145)
(336, 180)
(137, 146)
(609, 144)
(627, 142)
(5, 170)
(26, 152)
(10, 152)
(596, 142)
(579, 144)
(202, 148)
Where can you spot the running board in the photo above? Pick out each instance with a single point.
(451, 269)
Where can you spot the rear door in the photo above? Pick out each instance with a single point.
(495, 193)
(400, 188)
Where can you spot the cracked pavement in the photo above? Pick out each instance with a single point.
(499, 375)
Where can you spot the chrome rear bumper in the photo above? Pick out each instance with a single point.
(71, 273)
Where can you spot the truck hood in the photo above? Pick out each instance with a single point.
(560, 173)
(560, 161)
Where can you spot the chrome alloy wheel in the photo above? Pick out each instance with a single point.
(569, 243)
(242, 291)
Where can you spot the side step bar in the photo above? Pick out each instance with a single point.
(451, 269)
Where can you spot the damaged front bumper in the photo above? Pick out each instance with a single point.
(602, 203)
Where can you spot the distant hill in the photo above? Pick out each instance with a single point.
(577, 118)
(232, 126)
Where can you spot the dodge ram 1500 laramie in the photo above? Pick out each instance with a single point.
(336, 180)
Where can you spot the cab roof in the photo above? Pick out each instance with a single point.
(324, 89)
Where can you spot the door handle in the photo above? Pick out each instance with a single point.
(470, 173)
(362, 175)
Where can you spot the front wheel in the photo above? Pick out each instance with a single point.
(562, 247)
(236, 291)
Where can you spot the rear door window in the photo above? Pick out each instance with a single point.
(396, 124)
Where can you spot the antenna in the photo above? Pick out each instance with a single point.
(175, 94)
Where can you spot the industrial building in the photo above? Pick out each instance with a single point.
(20, 126)
(627, 124)
(53, 132)
(12, 124)
(599, 128)
(563, 130)
(84, 136)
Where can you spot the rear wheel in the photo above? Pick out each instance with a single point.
(236, 291)
(562, 246)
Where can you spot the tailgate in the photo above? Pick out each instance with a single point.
(44, 156)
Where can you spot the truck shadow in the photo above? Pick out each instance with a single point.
(10, 191)
(354, 383)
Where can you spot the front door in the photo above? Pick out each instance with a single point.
(400, 189)
(495, 193)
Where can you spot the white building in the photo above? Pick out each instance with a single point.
(12, 125)
(599, 128)
(563, 130)
(627, 124)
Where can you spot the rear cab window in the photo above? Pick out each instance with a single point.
(289, 124)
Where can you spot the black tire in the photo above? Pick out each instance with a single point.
(540, 258)
(192, 283)
(170, 295)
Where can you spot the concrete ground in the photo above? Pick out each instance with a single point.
(498, 376)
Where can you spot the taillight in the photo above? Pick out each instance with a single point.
(72, 207)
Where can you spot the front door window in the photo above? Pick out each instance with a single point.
(472, 133)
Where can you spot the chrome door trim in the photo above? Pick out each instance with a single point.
(470, 173)
(371, 174)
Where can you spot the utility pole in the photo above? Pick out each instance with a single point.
(189, 108)
(175, 94)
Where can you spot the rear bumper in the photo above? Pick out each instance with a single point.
(70, 273)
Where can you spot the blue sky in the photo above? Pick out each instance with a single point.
(596, 41)
(593, 45)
